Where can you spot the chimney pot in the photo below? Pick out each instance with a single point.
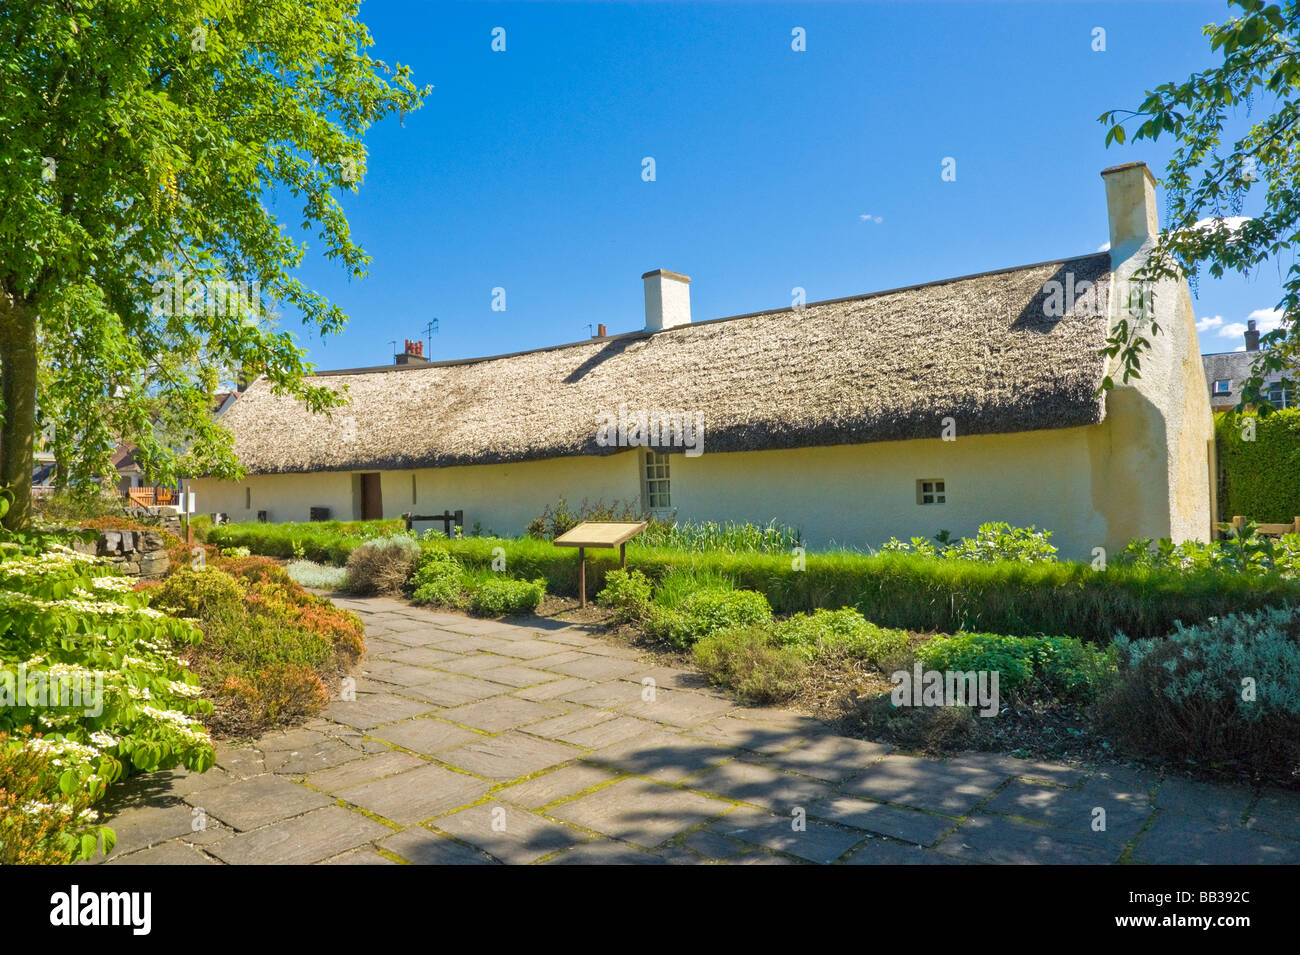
(1252, 336)
(667, 300)
(601, 331)
(412, 354)
(1131, 209)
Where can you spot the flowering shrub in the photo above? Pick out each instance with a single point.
(92, 686)
(39, 824)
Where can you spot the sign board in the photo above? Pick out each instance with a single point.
(600, 534)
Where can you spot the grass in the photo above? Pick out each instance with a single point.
(324, 542)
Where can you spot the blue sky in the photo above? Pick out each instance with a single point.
(774, 169)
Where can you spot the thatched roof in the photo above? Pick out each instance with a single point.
(879, 367)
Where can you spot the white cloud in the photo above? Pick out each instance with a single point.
(868, 217)
(1104, 247)
(1232, 330)
(1267, 318)
(1205, 324)
(1240, 348)
(1232, 223)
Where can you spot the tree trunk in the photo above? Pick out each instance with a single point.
(18, 388)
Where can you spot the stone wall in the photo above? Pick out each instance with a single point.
(134, 553)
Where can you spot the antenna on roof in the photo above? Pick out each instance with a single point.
(430, 330)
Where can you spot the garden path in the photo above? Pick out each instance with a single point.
(478, 741)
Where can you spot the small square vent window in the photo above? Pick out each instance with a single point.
(930, 491)
(1223, 386)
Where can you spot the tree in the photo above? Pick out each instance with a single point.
(1210, 174)
(143, 147)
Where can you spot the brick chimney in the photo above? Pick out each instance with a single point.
(601, 331)
(667, 300)
(1131, 209)
(1252, 336)
(412, 355)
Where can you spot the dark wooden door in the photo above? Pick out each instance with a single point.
(372, 502)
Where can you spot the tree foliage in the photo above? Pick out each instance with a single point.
(1211, 173)
(150, 153)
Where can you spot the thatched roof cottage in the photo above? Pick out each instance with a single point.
(897, 413)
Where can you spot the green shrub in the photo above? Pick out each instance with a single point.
(439, 580)
(627, 592)
(1259, 479)
(922, 594)
(199, 592)
(503, 596)
(751, 665)
(707, 612)
(382, 566)
(317, 576)
(1063, 666)
(1224, 694)
(841, 633)
(995, 541)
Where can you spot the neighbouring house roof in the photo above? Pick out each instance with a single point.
(1233, 367)
(879, 367)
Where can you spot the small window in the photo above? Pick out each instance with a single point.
(1223, 386)
(654, 480)
(1280, 396)
(248, 498)
(930, 491)
(412, 488)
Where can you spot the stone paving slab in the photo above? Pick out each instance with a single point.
(251, 803)
(508, 756)
(907, 825)
(558, 784)
(508, 833)
(501, 713)
(301, 840)
(536, 742)
(416, 794)
(1007, 841)
(426, 735)
(641, 812)
(807, 839)
(926, 784)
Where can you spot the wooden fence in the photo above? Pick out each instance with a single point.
(1271, 530)
(151, 496)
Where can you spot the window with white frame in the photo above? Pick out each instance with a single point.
(1280, 396)
(654, 482)
(1223, 386)
(930, 491)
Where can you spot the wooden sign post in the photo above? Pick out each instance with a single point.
(608, 534)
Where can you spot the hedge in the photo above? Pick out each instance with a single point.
(923, 594)
(1259, 479)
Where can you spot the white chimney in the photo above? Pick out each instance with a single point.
(667, 300)
(1131, 208)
